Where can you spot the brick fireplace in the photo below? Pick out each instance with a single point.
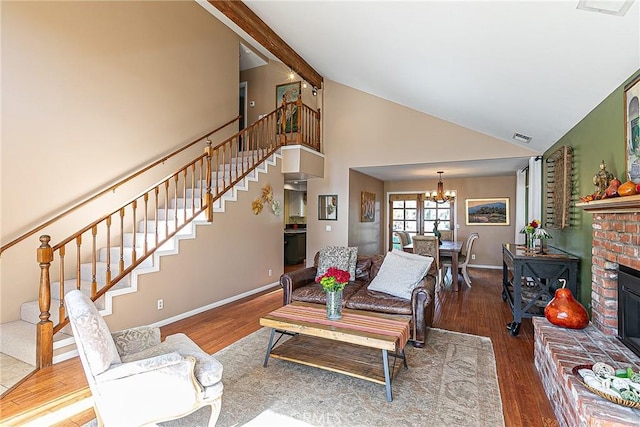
(616, 240)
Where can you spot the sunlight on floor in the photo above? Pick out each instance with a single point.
(12, 370)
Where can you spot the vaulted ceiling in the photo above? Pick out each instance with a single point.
(534, 68)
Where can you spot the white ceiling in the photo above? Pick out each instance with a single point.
(497, 67)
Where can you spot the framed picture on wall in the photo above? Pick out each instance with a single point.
(286, 96)
(368, 207)
(328, 207)
(487, 211)
(632, 128)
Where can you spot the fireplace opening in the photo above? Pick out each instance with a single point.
(629, 308)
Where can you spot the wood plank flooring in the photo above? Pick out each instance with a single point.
(478, 310)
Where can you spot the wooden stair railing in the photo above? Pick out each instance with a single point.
(113, 187)
(173, 203)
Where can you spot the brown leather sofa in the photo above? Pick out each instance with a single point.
(300, 285)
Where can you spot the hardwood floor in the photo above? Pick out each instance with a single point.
(478, 310)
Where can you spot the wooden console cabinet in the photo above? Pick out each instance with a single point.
(530, 279)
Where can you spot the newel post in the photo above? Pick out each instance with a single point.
(44, 328)
(208, 151)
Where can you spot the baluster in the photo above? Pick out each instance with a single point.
(224, 172)
(78, 262)
(217, 172)
(209, 175)
(108, 273)
(61, 254)
(203, 186)
(156, 190)
(298, 119)
(145, 219)
(121, 260)
(44, 328)
(194, 169)
(134, 252)
(175, 197)
(166, 208)
(94, 244)
(184, 191)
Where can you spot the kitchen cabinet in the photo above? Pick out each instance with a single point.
(295, 247)
(297, 203)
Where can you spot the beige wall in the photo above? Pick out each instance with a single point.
(261, 88)
(368, 237)
(362, 130)
(92, 91)
(231, 256)
(488, 247)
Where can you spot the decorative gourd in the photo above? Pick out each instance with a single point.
(627, 189)
(565, 311)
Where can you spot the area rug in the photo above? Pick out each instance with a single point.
(450, 382)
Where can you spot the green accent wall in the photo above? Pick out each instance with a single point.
(599, 136)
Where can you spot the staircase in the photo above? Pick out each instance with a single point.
(18, 338)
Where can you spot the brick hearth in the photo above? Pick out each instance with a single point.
(616, 240)
(557, 351)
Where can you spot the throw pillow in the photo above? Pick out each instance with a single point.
(340, 257)
(400, 273)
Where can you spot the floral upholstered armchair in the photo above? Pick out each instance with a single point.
(135, 378)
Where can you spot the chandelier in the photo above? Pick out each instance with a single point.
(440, 195)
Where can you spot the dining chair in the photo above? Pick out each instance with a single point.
(446, 234)
(463, 259)
(429, 246)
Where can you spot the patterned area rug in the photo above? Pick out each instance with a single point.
(451, 382)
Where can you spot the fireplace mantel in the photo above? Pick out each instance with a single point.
(624, 204)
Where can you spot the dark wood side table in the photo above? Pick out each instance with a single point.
(530, 279)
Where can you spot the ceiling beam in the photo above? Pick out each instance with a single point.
(246, 19)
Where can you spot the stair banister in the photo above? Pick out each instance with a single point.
(259, 141)
(113, 187)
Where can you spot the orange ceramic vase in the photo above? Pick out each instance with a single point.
(563, 310)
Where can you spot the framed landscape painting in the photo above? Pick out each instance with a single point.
(487, 211)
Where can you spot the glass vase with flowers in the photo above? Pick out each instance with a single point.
(333, 282)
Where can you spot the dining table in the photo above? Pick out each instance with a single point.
(448, 248)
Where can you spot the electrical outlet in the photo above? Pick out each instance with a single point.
(473, 256)
(160, 304)
(270, 273)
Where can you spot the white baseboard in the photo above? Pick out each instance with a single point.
(486, 267)
(213, 305)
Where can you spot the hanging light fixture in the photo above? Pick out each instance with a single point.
(440, 195)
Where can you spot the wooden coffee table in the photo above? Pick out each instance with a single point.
(350, 346)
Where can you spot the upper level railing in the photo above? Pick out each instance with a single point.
(103, 253)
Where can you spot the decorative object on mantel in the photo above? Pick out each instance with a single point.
(621, 386)
(333, 282)
(606, 185)
(565, 311)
